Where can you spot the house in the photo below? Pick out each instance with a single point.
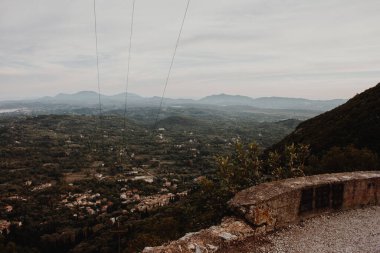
(148, 179)
(4, 226)
(8, 208)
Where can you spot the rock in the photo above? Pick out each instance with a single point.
(208, 240)
(227, 236)
(212, 248)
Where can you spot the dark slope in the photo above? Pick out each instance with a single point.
(356, 122)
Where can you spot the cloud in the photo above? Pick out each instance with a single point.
(314, 49)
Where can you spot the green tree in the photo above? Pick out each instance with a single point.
(290, 163)
(248, 166)
(350, 158)
(242, 169)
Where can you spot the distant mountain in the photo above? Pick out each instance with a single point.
(121, 96)
(83, 97)
(91, 98)
(273, 102)
(356, 122)
(88, 98)
(78, 95)
(224, 99)
(297, 103)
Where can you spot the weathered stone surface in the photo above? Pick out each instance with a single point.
(208, 240)
(277, 204)
(273, 205)
(264, 192)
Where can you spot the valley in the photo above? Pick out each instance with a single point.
(73, 179)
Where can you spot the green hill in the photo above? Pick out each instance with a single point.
(357, 123)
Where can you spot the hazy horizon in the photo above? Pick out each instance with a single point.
(123, 92)
(316, 50)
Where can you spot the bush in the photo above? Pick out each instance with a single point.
(340, 159)
(242, 169)
(247, 166)
(291, 163)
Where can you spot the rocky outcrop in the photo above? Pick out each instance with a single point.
(210, 240)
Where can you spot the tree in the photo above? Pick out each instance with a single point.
(290, 163)
(10, 248)
(339, 159)
(248, 166)
(242, 169)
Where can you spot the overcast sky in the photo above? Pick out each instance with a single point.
(296, 48)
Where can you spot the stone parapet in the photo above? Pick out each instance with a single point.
(269, 206)
(231, 230)
(276, 204)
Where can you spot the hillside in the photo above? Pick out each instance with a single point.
(356, 122)
(175, 121)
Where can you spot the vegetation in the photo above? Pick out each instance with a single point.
(241, 169)
(248, 165)
(206, 205)
(356, 123)
(343, 139)
(68, 183)
(291, 163)
(72, 183)
(342, 159)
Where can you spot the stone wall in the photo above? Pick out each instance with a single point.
(269, 206)
(210, 240)
(276, 204)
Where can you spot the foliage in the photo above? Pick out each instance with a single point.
(248, 165)
(242, 169)
(11, 247)
(291, 163)
(350, 158)
(204, 207)
(356, 122)
(67, 152)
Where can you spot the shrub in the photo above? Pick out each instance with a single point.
(350, 158)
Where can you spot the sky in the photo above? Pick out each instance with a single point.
(292, 48)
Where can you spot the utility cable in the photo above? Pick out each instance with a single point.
(128, 68)
(171, 66)
(98, 76)
(97, 58)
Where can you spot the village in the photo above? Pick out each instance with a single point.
(88, 202)
(63, 177)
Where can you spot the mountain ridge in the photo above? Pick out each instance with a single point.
(92, 98)
(356, 122)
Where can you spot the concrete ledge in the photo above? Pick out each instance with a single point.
(277, 204)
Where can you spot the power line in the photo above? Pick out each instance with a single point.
(171, 65)
(128, 68)
(98, 76)
(97, 58)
